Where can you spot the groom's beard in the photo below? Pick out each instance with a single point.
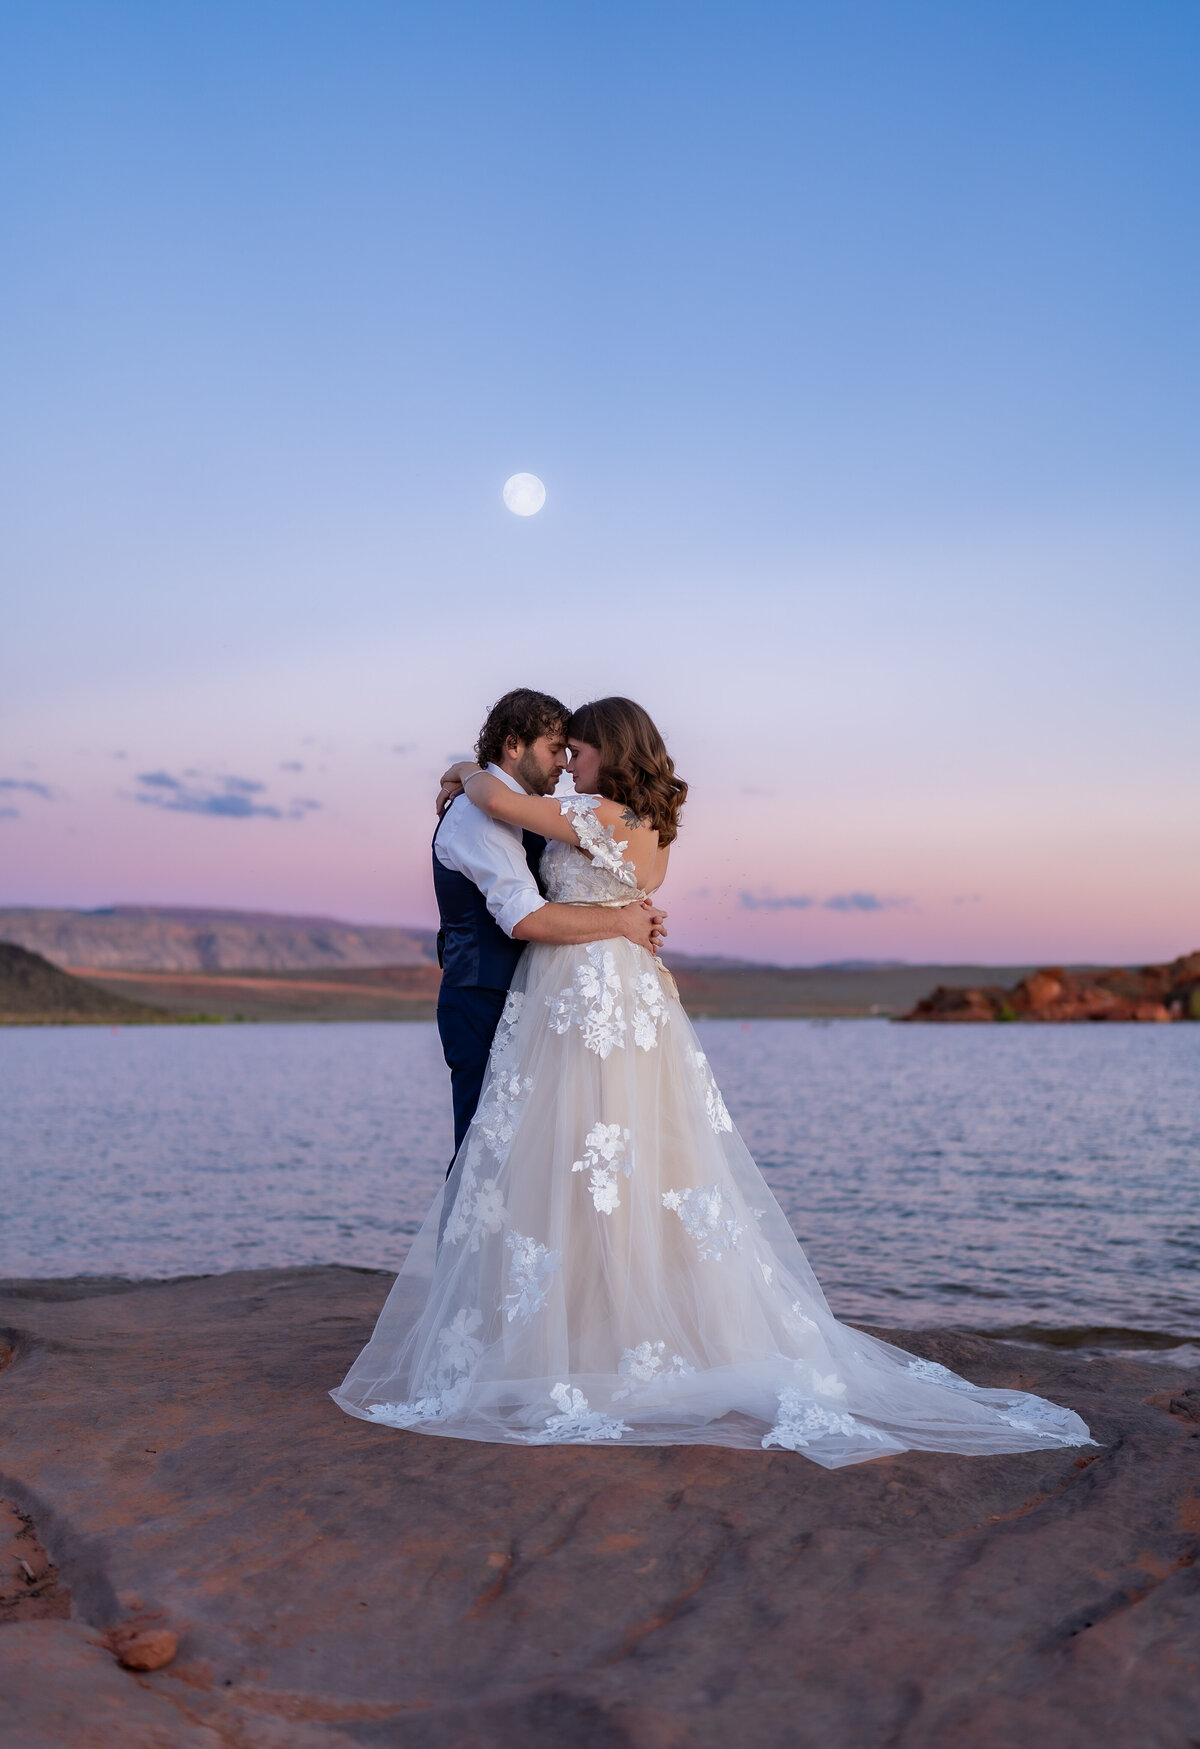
(537, 781)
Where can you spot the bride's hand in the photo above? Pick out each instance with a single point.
(658, 924)
(451, 782)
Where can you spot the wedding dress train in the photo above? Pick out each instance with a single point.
(607, 1264)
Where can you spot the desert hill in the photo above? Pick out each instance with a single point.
(32, 991)
(171, 938)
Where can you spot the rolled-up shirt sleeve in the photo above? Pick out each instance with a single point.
(515, 909)
(491, 855)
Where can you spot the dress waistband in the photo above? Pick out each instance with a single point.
(633, 898)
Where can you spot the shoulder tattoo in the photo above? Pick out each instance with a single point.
(630, 819)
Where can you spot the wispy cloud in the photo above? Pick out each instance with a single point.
(30, 788)
(771, 902)
(291, 765)
(10, 813)
(230, 798)
(864, 902)
(836, 902)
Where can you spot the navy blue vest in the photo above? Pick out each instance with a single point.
(473, 950)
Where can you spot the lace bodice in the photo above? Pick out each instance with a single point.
(597, 874)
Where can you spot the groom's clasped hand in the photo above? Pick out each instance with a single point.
(644, 924)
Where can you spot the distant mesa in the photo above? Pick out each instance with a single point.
(185, 939)
(1147, 993)
(180, 963)
(187, 963)
(33, 992)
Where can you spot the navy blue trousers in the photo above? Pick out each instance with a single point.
(467, 1021)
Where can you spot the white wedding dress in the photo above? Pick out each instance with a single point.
(607, 1264)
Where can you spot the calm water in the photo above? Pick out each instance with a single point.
(991, 1177)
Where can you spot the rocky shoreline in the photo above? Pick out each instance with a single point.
(179, 1483)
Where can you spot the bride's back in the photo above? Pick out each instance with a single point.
(616, 863)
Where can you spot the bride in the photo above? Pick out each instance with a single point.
(605, 1262)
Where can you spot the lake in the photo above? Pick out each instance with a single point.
(994, 1178)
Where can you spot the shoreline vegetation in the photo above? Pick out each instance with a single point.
(131, 965)
(203, 1548)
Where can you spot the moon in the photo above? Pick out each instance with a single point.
(524, 494)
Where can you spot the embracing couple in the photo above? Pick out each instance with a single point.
(605, 1263)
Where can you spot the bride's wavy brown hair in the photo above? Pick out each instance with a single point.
(635, 767)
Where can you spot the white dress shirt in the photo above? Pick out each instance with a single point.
(490, 853)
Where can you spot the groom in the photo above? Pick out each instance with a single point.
(488, 895)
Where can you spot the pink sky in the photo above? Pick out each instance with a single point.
(838, 810)
(860, 362)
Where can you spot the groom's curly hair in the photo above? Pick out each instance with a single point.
(635, 767)
(525, 715)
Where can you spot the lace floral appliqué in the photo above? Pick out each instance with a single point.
(643, 1365)
(702, 1213)
(592, 1002)
(649, 1009)
(1026, 1414)
(506, 1091)
(529, 1276)
(827, 1384)
(938, 1375)
(714, 1105)
(578, 1422)
(504, 1039)
(444, 1388)
(1047, 1420)
(802, 1420)
(606, 1155)
(478, 1209)
(599, 841)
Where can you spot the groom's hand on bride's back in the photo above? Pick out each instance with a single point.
(644, 924)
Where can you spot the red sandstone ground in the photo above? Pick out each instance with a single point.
(181, 1471)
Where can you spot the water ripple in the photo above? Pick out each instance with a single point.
(995, 1177)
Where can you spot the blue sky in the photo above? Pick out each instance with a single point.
(857, 347)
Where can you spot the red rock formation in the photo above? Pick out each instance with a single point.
(1150, 993)
(141, 1645)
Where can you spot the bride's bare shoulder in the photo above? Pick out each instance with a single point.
(622, 820)
(640, 840)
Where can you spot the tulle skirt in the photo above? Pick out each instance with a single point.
(607, 1265)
